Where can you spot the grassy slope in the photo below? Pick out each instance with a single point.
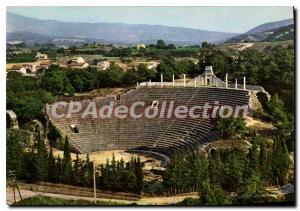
(259, 45)
(48, 201)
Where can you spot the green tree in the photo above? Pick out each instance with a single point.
(13, 153)
(214, 58)
(275, 108)
(187, 66)
(29, 173)
(265, 162)
(160, 44)
(55, 80)
(78, 171)
(199, 171)
(25, 97)
(167, 67)
(59, 170)
(281, 161)
(123, 173)
(145, 73)
(170, 46)
(52, 176)
(253, 158)
(132, 181)
(114, 75)
(83, 80)
(230, 127)
(253, 187)
(66, 163)
(88, 169)
(212, 194)
(234, 166)
(139, 176)
(205, 44)
(215, 168)
(41, 160)
(131, 77)
(113, 171)
(22, 58)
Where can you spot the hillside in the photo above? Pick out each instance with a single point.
(116, 33)
(261, 46)
(283, 33)
(270, 26)
(274, 31)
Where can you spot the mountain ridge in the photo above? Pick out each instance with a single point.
(270, 25)
(265, 32)
(113, 32)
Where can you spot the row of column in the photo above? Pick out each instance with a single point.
(195, 82)
(236, 84)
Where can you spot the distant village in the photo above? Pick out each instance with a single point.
(74, 62)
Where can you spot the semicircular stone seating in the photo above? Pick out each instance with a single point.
(159, 134)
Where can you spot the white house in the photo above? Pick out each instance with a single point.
(40, 55)
(140, 46)
(103, 65)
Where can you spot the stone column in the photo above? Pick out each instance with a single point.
(235, 83)
(161, 80)
(150, 82)
(226, 80)
(46, 127)
(244, 83)
(195, 82)
(183, 79)
(205, 80)
(173, 80)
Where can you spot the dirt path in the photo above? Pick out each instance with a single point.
(142, 201)
(262, 128)
(251, 122)
(24, 193)
(164, 200)
(102, 156)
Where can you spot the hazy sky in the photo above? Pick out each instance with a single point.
(227, 19)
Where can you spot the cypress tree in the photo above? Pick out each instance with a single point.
(123, 175)
(233, 169)
(200, 169)
(106, 175)
(88, 169)
(13, 153)
(119, 172)
(132, 180)
(253, 159)
(52, 174)
(42, 160)
(212, 194)
(139, 176)
(113, 173)
(281, 162)
(101, 179)
(275, 108)
(67, 166)
(59, 170)
(252, 187)
(215, 168)
(29, 166)
(265, 164)
(76, 174)
(170, 173)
